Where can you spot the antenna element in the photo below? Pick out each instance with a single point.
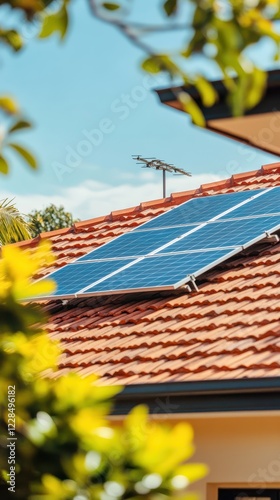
(160, 165)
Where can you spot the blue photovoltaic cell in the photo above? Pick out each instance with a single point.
(134, 244)
(198, 210)
(72, 278)
(268, 203)
(153, 272)
(227, 233)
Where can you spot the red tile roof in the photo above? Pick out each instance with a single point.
(229, 329)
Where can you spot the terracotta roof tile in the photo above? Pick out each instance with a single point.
(236, 178)
(186, 195)
(216, 186)
(230, 328)
(154, 203)
(271, 167)
(56, 232)
(120, 214)
(91, 222)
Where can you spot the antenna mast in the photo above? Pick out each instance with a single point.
(160, 165)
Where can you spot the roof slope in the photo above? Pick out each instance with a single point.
(229, 329)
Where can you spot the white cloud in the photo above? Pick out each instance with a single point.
(91, 199)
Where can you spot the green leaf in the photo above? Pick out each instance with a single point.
(8, 105)
(12, 38)
(4, 167)
(170, 7)
(28, 157)
(19, 125)
(57, 22)
(256, 88)
(195, 45)
(207, 92)
(276, 56)
(152, 65)
(162, 62)
(110, 6)
(13, 226)
(202, 15)
(248, 89)
(190, 107)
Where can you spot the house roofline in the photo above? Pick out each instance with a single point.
(221, 109)
(219, 118)
(231, 395)
(174, 198)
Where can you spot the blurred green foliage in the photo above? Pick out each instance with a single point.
(49, 219)
(13, 225)
(66, 447)
(13, 122)
(218, 31)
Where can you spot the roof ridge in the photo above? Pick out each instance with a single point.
(56, 232)
(26, 243)
(270, 166)
(173, 198)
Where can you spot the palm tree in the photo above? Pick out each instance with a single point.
(13, 226)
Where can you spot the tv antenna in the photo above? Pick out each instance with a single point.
(160, 165)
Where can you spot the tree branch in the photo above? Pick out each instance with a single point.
(130, 29)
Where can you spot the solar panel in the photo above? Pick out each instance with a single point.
(198, 210)
(226, 233)
(73, 277)
(158, 272)
(268, 203)
(136, 243)
(175, 247)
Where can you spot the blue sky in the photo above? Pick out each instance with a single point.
(92, 85)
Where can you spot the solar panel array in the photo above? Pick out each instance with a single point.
(175, 247)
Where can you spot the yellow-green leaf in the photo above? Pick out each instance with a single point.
(152, 65)
(206, 90)
(53, 486)
(110, 6)
(9, 105)
(193, 472)
(162, 62)
(26, 155)
(256, 88)
(57, 22)
(104, 393)
(4, 167)
(36, 289)
(170, 7)
(12, 38)
(190, 107)
(19, 125)
(191, 495)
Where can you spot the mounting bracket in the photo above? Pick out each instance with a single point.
(192, 284)
(271, 238)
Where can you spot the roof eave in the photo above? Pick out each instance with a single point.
(269, 102)
(217, 116)
(232, 395)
